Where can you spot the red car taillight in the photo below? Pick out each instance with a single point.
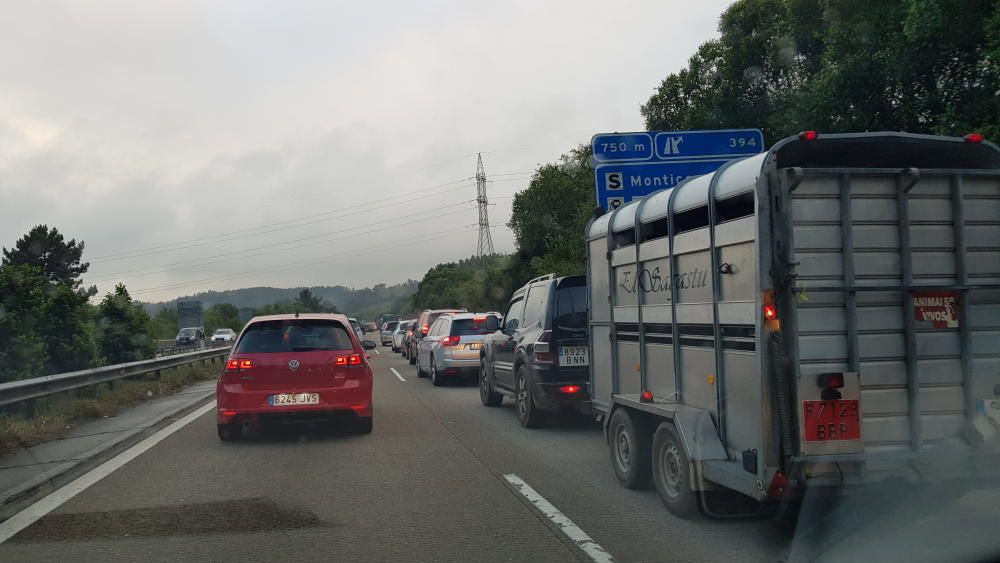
(347, 361)
(424, 329)
(450, 340)
(236, 365)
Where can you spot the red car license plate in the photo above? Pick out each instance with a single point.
(823, 421)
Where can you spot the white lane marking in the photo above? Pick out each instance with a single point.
(10, 527)
(377, 353)
(572, 531)
(396, 373)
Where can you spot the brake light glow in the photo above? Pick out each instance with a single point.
(569, 389)
(237, 364)
(424, 329)
(450, 340)
(349, 360)
(769, 311)
(646, 396)
(975, 137)
(808, 135)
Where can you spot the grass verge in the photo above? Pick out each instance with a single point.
(55, 416)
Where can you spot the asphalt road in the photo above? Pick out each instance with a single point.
(427, 485)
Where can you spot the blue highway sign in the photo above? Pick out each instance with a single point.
(630, 165)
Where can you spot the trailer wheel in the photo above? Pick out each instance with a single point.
(671, 472)
(629, 445)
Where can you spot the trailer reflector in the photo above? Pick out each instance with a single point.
(646, 397)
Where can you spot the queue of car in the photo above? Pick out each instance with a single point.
(535, 353)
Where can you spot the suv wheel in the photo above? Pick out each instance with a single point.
(527, 413)
(629, 444)
(487, 395)
(435, 377)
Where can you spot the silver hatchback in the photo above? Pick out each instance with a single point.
(451, 347)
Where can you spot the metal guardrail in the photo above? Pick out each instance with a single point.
(34, 388)
(173, 349)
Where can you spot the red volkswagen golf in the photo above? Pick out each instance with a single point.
(304, 367)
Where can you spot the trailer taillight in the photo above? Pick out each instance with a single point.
(830, 380)
(975, 138)
(769, 311)
(808, 136)
(646, 397)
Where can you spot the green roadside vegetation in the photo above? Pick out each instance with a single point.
(55, 416)
(781, 66)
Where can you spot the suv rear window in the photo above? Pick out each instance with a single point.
(294, 336)
(571, 307)
(468, 327)
(391, 325)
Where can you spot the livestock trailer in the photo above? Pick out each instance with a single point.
(825, 313)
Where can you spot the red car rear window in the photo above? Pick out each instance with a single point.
(299, 335)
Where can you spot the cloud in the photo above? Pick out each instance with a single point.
(135, 126)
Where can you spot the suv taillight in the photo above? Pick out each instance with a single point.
(542, 347)
(450, 340)
(424, 329)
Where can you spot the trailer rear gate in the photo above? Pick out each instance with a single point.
(870, 242)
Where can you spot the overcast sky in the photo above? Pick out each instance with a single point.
(179, 138)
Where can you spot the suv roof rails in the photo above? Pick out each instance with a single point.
(543, 278)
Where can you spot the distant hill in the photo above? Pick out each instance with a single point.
(366, 302)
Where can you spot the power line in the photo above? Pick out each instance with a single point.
(142, 251)
(299, 263)
(254, 252)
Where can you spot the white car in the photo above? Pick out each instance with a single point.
(223, 335)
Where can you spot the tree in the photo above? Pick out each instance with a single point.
(47, 250)
(222, 315)
(164, 323)
(45, 327)
(549, 217)
(924, 66)
(22, 349)
(124, 328)
(306, 302)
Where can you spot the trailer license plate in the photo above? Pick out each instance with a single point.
(823, 421)
(573, 356)
(294, 399)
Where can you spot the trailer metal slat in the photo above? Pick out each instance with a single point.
(909, 322)
(958, 217)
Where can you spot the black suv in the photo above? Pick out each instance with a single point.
(539, 355)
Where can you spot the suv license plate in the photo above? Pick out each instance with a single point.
(473, 346)
(823, 421)
(283, 399)
(573, 356)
